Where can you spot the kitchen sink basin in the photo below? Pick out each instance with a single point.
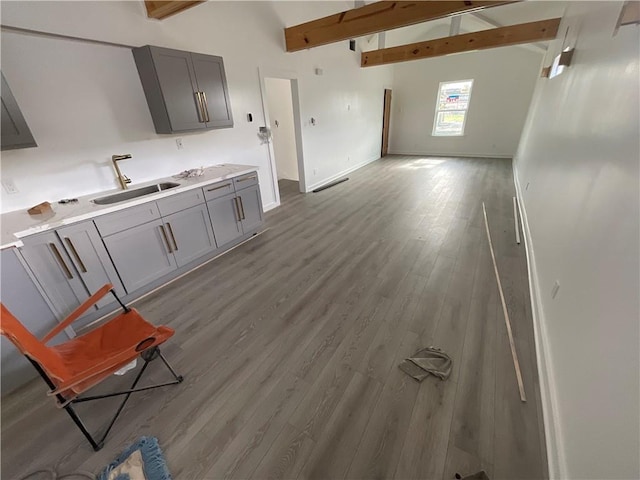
(138, 192)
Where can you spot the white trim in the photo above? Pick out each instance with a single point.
(553, 435)
(292, 75)
(341, 174)
(270, 206)
(448, 154)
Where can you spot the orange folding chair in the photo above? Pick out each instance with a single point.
(72, 367)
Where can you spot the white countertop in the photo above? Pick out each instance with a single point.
(19, 224)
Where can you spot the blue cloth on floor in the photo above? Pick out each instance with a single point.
(153, 462)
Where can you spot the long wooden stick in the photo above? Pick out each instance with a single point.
(515, 220)
(516, 363)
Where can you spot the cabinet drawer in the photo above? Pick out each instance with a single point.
(217, 190)
(179, 202)
(247, 180)
(124, 219)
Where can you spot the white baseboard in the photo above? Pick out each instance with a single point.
(548, 392)
(341, 174)
(270, 206)
(463, 155)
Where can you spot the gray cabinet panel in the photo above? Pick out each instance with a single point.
(218, 190)
(250, 208)
(13, 129)
(23, 299)
(181, 201)
(48, 260)
(224, 218)
(141, 254)
(246, 181)
(86, 250)
(177, 81)
(212, 81)
(190, 230)
(127, 218)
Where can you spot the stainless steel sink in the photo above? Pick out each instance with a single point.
(135, 193)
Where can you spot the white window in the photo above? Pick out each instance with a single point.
(451, 107)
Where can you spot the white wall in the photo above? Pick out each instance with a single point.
(504, 79)
(280, 106)
(580, 156)
(84, 102)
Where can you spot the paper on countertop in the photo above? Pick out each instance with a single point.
(193, 172)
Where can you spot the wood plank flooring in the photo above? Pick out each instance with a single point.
(290, 343)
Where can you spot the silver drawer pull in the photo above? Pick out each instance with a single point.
(175, 244)
(218, 188)
(166, 239)
(252, 177)
(235, 200)
(75, 254)
(242, 208)
(61, 261)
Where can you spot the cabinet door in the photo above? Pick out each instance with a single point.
(178, 84)
(212, 82)
(86, 250)
(250, 208)
(48, 260)
(141, 254)
(191, 234)
(224, 213)
(14, 129)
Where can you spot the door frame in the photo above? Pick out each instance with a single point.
(292, 75)
(386, 122)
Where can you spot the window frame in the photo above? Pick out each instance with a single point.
(437, 110)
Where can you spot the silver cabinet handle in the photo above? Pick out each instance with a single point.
(235, 200)
(252, 177)
(206, 106)
(166, 239)
(242, 208)
(175, 244)
(61, 261)
(75, 254)
(218, 188)
(201, 116)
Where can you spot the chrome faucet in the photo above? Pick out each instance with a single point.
(123, 180)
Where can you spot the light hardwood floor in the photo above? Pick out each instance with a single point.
(290, 344)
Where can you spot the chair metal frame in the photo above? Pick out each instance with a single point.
(147, 355)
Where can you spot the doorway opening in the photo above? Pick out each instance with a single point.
(282, 118)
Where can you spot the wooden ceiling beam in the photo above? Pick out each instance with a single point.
(374, 18)
(495, 37)
(164, 9)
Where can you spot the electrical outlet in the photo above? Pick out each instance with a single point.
(315, 171)
(348, 159)
(9, 186)
(555, 289)
(179, 143)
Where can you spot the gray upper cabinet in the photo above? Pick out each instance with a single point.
(85, 249)
(141, 254)
(185, 91)
(52, 267)
(15, 132)
(191, 234)
(212, 83)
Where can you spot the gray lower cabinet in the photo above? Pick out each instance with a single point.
(225, 218)
(141, 254)
(85, 249)
(250, 208)
(14, 130)
(20, 295)
(191, 234)
(52, 267)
